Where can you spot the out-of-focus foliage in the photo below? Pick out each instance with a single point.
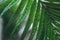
(45, 16)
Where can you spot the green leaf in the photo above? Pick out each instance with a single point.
(51, 4)
(14, 16)
(30, 19)
(44, 15)
(41, 25)
(8, 7)
(22, 17)
(53, 0)
(36, 21)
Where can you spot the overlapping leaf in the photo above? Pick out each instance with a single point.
(45, 16)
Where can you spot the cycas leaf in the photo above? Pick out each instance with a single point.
(22, 17)
(53, 0)
(52, 5)
(7, 5)
(7, 14)
(5, 2)
(46, 27)
(14, 16)
(30, 18)
(55, 12)
(41, 24)
(44, 15)
(36, 21)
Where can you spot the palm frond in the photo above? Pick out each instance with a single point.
(44, 15)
